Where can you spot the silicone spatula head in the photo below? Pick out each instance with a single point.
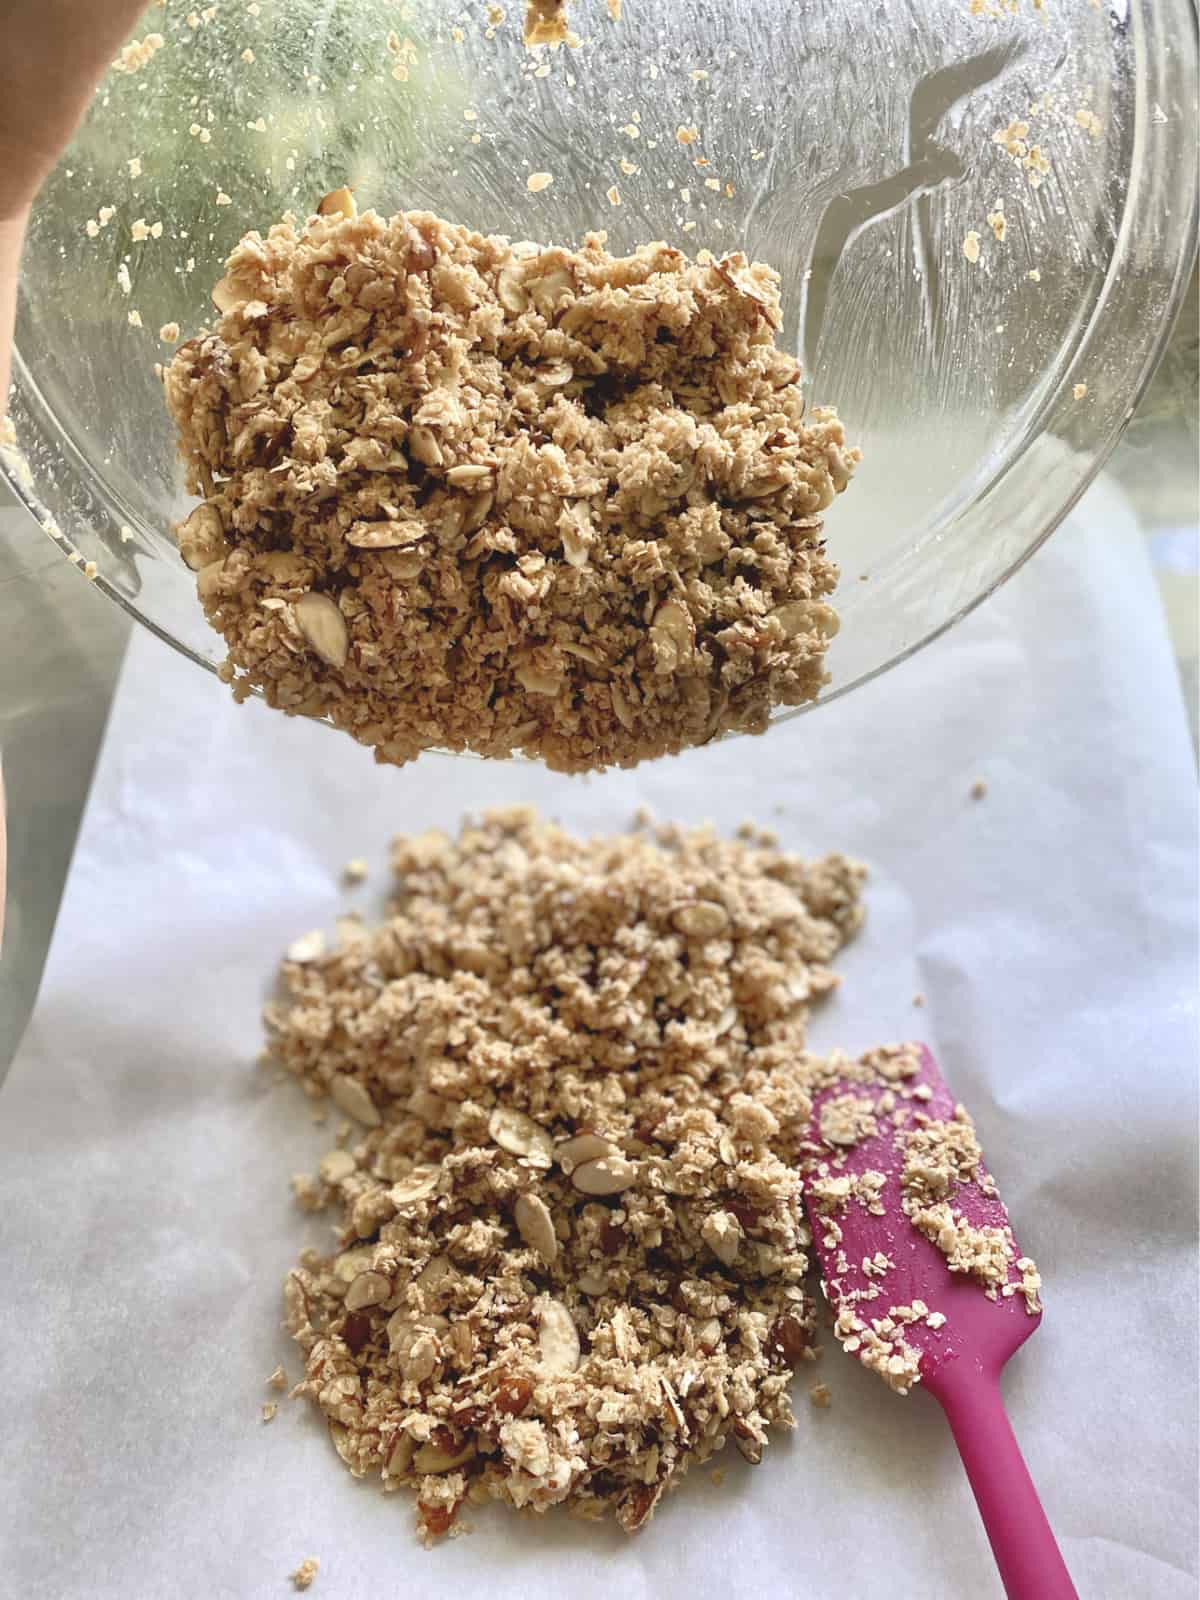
(916, 1250)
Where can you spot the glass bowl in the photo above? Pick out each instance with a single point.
(983, 212)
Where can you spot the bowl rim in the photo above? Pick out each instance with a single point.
(1180, 54)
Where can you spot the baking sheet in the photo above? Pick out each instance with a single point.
(146, 1224)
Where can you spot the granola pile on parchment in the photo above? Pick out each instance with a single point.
(572, 1252)
(466, 494)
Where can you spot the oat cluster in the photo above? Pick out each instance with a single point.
(572, 1252)
(465, 494)
(940, 1156)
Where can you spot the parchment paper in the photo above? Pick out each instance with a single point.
(145, 1221)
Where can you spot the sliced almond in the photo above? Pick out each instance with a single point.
(415, 1185)
(510, 293)
(621, 707)
(610, 1175)
(477, 511)
(726, 1021)
(437, 1272)
(555, 374)
(401, 1457)
(520, 1135)
(558, 1337)
(403, 1329)
(750, 1447)
(423, 446)
(592, 1282)
(549, 290)
(350, 1096)
(722, 1233)
(673, 635)
(368, 1289)
(226, 295)
(536, 1226)
(708, 1334)
(323, 627)
(386, 535)
(432, 1458)
(571, 1153)
(201, 538)
(469, 475)
(350, 1263)
(337, 203)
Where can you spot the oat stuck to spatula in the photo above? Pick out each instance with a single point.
(928, 1282)
(893, 1166)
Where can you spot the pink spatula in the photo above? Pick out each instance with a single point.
(927, 1281)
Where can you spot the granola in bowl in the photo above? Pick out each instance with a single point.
(477, 496)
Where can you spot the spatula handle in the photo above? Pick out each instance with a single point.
(1027, 1554)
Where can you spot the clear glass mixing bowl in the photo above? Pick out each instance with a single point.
(856, 147)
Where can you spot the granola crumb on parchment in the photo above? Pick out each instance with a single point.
(821, 1396)
(306, 1572)
(572, 1251)
(979, 789)
(278, 1379)
(270, 1410)
(465, 495)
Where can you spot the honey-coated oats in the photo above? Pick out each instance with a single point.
(572, 1250)
(466, 494)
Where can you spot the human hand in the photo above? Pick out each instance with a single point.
(52, 55)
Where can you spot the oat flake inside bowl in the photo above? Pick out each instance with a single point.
(466, 494)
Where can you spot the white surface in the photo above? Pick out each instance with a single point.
(145, 1222)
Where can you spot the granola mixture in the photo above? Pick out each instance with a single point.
(306, 1572)
(465, 494)
(572, 1252)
